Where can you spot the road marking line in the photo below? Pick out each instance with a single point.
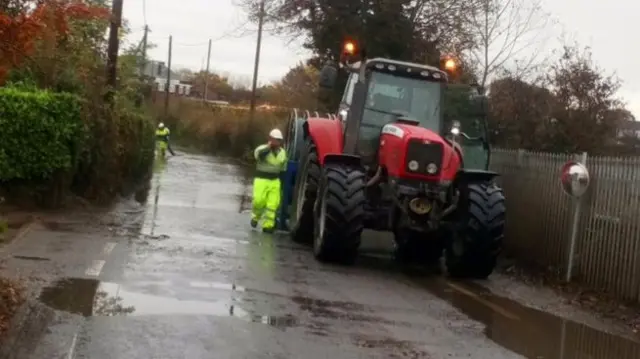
(493, 306)
(72, 348)
(95, 268)
(108, 247)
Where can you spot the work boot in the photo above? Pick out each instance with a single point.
(254, 223)
(268, 230)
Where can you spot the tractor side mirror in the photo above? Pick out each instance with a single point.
(455, 128)
(328, 76)
(343, 114)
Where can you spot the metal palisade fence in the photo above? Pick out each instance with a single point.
(606, 228)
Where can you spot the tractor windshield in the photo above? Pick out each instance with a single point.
(390, 94)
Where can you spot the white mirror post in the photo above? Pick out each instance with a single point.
(575, 180)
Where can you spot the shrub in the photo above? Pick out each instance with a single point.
(119, 151)
(51, 143)
(40, 135)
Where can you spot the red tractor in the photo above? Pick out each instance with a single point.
(393, 161)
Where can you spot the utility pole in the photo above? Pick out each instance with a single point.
(112, 50)
(143, 63)
(252, 107)
(141, 94)
(206, 76)
(168, 85)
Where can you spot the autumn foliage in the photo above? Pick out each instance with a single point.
(56, 49)
(20, 31)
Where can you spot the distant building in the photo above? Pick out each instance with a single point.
(159, 72)
(629, 129)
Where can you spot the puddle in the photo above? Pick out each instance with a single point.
(30, 258)
(529, 332)
(90, 297)
(58, 226)
(154, 237)
(218, 285)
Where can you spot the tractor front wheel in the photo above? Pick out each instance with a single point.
(339, 214)
(476, 240)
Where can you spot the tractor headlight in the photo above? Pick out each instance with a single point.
(432, 168)
(413, 165)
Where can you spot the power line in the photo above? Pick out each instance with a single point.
(191, 45)
(135, 30)
(227, 34)
(181, 44)
(224, 36)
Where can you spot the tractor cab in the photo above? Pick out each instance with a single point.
(382, 91)
(395, 91)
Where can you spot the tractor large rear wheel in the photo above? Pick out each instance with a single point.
(476, 241)
(304, 195)
(339, 214)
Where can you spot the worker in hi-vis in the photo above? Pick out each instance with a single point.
(271, 161)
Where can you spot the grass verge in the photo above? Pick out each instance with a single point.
(224, 131)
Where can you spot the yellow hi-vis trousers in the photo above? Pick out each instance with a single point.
(266, 200)
(162, 145)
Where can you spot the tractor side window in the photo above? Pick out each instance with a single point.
(348, 93)
(462, 107)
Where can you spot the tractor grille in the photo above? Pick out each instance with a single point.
(424, 154)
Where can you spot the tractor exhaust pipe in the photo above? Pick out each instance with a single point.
(354, 116)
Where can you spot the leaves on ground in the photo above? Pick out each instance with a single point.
(11, 297)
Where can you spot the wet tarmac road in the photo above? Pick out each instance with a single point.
(186, 277)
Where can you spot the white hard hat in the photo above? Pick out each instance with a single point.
(161, 125)
(276, 134)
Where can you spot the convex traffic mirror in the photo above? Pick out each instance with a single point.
(574, 178)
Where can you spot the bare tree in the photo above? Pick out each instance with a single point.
(508, 31)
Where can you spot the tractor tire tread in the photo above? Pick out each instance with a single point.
(483, 234)
(345, 214)
(303, 232)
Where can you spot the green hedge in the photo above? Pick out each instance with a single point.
(40, 133)
(118, 152)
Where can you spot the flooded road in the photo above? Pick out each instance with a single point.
(184, 276)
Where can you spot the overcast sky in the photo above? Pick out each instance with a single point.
(609, 27)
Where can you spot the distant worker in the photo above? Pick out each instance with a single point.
(162, 139)
(271, 161)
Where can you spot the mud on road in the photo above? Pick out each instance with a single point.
(182, 275)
